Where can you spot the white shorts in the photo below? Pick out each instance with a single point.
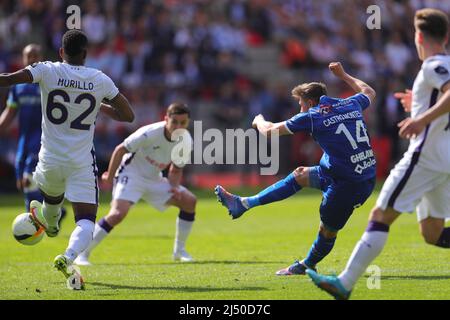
(132, 188)
(411, 186)
(78, 184)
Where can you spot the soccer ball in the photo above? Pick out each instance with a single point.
(26, 230)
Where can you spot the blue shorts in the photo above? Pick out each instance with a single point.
(340, 198)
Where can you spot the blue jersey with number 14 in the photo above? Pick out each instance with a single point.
(339, 128)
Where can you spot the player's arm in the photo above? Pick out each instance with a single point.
(174, 176)
(356, 84)
(114, 163)
(268, 128)
(21, 76)
(8, 115)
(410, 128)
(6, 118)
(118, 109)
(405, 99)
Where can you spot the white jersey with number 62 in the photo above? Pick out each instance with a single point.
(70, 96)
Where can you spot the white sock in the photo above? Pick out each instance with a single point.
(244, 202)
(367, 249)
(183, 229)
(52, 212)
(99, 235)
(80, 238)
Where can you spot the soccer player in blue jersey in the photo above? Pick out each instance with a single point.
(346, 173)
(420, 181)
(24, 100)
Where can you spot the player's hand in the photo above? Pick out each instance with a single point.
(410, 128)
(258, 118)
(106, 178)
(19, 184)
(337, 69)
(176, 193)
(405, 99)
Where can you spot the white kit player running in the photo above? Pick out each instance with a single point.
(142, 157)
(421, 180)
(72, 95)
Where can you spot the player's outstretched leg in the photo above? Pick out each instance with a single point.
(278, 191)
(330, 284)
(232, 202)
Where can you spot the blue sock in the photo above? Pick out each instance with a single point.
(34, 195)
(319, 250)
(276, 192)
(444, 239)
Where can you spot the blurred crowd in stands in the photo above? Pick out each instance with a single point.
(235, 58)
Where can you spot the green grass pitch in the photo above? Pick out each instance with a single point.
(234, 259)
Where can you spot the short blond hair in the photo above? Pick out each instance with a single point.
(310, 91)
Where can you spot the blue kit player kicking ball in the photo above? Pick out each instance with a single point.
(24, 100)
(346, 173)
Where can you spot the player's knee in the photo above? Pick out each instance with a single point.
(190, 203)
(193, 202)
(327, 232)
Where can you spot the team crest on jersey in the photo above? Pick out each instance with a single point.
(441, 70)
(325, 109)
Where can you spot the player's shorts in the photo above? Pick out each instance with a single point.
(131, 187)
(411, 186)
(78, 184)
(340, 197)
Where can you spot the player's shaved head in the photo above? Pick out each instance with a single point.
(31, 53)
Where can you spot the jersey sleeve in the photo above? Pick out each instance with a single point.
(437, 73)
(38, 70)
(138, 139)
(110, 90)
(12, 99)
(300, 122)
(361, 99)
